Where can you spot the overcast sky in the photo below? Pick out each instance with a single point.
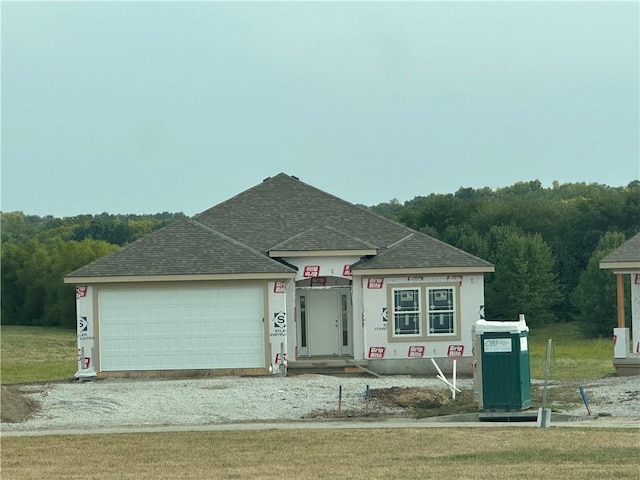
(145, 107)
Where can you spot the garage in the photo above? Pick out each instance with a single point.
(175, 327)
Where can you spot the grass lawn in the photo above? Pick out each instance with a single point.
(35, 354)
(465, 453)
(573, 357)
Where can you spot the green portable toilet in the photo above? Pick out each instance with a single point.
(502, 375)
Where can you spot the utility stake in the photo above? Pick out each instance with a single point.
(340, 401)
(584, 399)
(453, 391)
(544, 413)
(366, 399)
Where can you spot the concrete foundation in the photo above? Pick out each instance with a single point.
(626, 367)
(421, 366)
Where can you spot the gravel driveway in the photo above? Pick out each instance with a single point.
(112, 403)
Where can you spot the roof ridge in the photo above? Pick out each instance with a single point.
(275, 247)
(363, 209)
(226, 238)
(268, 179)
(402, 240)
(386, 250)
(294, 178)
(353, 237)
(327, 227)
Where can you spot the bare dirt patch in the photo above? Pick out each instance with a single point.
(426, 402)
(16, 407)
(407, 402)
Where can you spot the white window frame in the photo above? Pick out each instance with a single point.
(434, 309)
(417, 312)
(423, 311)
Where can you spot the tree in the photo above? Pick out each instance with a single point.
(595, 296)
(524, 280)
(390, 209)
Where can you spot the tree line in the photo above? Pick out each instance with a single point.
(545, 243)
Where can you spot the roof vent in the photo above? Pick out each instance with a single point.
(293, 176)
(264, 180)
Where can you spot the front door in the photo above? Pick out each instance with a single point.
(324, 321)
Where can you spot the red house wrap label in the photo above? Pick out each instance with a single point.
(416, 351)
(311, 271)
(375, 283)
(376, 352)
(455, 350)
(279, 287)
(346, 271)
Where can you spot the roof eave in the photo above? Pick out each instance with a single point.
(176, 278)
(422, 270)
(321, 253)
(620, 266)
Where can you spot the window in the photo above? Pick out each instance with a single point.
(427, 311)
(303, 321)
(441, 316)
(406, 312)
(345, 320)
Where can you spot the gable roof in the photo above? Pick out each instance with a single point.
(625, 257)
(280, 215)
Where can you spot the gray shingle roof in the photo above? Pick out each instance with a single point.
(320, 237)
(283, 206)
(182, 248)
(418, 250)
(281, 213)
(629, 251)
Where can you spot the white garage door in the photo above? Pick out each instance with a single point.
(166, 328)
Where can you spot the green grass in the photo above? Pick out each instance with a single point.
(573, 357)
(36, 354)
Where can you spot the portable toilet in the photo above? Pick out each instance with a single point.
(502, 375)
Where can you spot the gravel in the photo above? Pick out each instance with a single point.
(610, 396)
(110, 403)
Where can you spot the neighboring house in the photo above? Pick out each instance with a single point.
(625, 260)
(280, 270)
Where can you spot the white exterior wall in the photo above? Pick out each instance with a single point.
(309, 267)
(86, 332)
(377, 346)
(280, 316)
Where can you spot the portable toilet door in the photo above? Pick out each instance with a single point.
(506, 377)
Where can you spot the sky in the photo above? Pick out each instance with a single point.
(146, 107)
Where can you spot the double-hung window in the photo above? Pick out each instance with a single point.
(441, 315)
(406, 312)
